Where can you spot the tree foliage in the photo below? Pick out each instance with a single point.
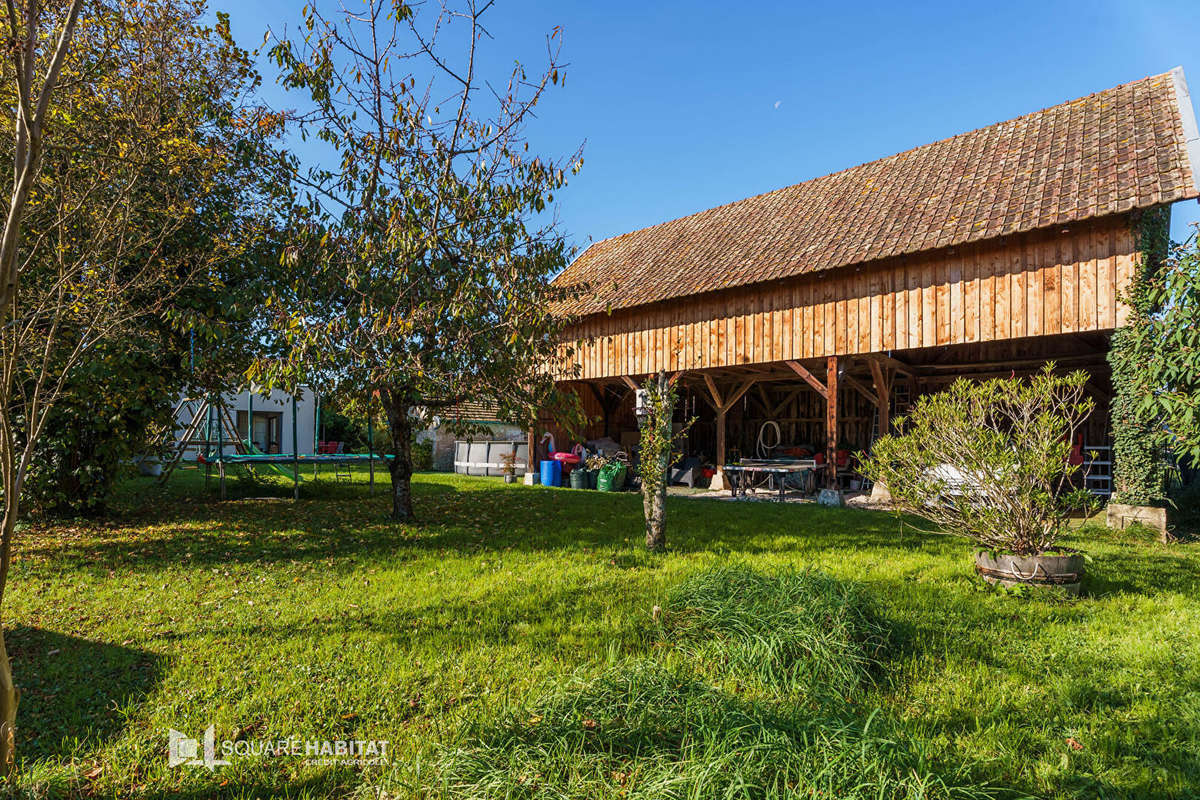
(990, 460)
(1160, 355)
(1139, 460)
(422, 247)
(158, 122)
(125, 216)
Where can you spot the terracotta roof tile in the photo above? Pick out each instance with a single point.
(1106, 153)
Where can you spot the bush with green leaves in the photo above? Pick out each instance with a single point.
(1156, 368)
(990, 460)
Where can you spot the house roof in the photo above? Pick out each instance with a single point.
(1133, 146)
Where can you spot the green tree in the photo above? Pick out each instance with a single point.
(1162, 355)
(655, 452)
(136, 148)
(1139, 460)
(422, 255)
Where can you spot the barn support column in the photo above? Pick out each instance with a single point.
(883, 393)
(718, 480)
(722, 405)
(532, 455)
(831, 418)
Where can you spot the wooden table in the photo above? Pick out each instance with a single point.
(773, 472)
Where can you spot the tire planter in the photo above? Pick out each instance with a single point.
(1063, 571)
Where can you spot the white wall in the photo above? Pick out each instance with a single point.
(275, 401)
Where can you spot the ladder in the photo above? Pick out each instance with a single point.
(1097, 470)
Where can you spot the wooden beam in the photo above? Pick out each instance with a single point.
(1024, 363)
(737, 395)
(883, 390)
(859, 387)
(831, 417)
(799, 369)
(674, 377)
(532, 453)
(785, 401)
(712, 390)
(628, 381)
(718, 481)
(898, 365)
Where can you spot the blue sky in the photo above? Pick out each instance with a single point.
(687, 105)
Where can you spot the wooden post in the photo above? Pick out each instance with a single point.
(295, 453)
(718, 481)
(531, 455)
(883, 392)
(370, 446)
(831, 417)
(722, 405)
(221, 446)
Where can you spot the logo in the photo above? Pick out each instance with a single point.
(181, 749)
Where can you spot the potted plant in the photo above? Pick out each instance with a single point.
(991, 461)
(508, 467)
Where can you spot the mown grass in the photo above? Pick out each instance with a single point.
(321, 619)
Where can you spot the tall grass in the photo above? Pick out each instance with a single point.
(661, 729)
(642, 731)
(802, 634)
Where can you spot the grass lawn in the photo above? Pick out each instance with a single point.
(319, 619)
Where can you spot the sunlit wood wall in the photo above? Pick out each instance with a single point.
(1059, 281)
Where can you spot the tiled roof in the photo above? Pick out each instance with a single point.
(1107, 153)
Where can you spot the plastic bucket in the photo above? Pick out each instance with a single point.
(551, 473)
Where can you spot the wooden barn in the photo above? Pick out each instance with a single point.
(827, 307)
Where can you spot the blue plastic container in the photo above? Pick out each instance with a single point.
(551, 473)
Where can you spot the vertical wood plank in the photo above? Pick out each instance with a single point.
(987, 295)
(970, 297)
(1087, 282)
(1106, 281)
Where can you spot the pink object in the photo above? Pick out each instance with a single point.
(567, 458)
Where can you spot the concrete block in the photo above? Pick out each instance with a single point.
(1121, 516)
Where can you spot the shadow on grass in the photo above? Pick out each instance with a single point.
(167, 528)
(71, 685)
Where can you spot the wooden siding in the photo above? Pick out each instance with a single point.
(1061, 281)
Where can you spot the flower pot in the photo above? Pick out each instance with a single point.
(1064, 571)
(510, 478)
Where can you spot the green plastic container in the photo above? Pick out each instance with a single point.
(579, 479)
(612, 478)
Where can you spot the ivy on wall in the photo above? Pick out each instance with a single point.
(1139, 461)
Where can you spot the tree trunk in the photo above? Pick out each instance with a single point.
(400, 464)
(654, 506)
(654, 492)
(10, 695)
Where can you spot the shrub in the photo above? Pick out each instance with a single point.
(801, 633)
(641, 731)
(422, 455)
(990, 460)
